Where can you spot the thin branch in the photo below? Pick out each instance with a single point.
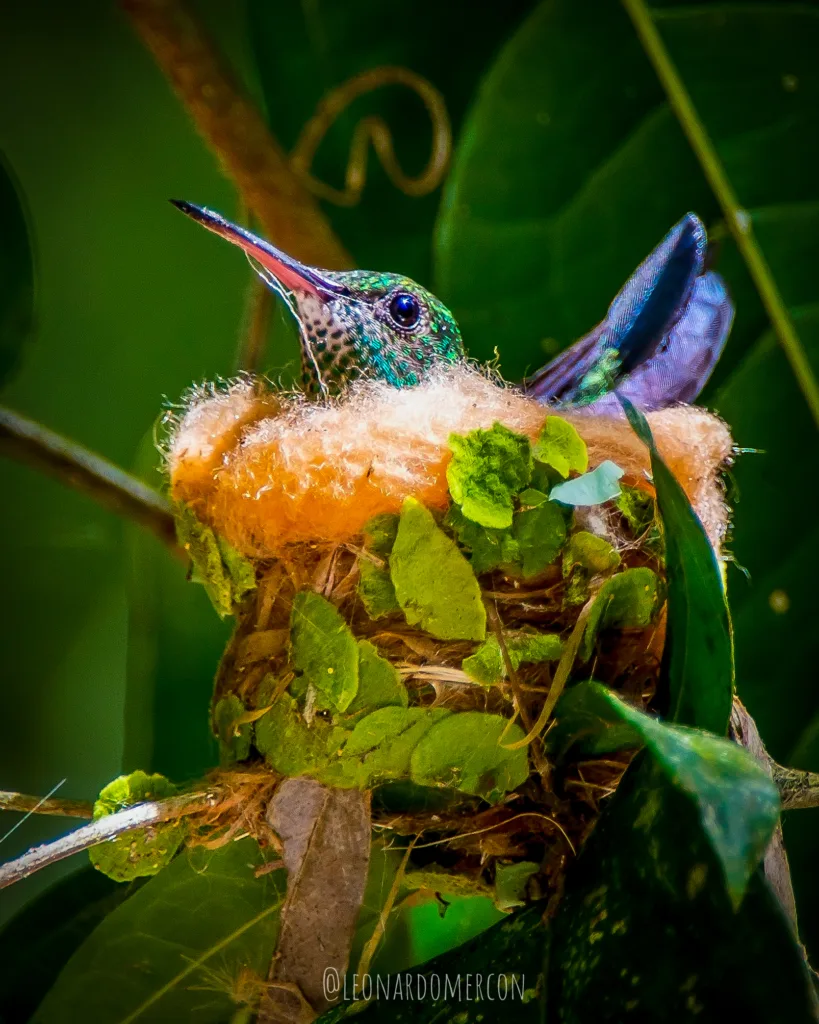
(737, 217)
(100, 831)
(35, 445)
(35, 804)
(236, 132)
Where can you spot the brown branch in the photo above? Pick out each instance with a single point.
(36, 805)
(35, 445)
(102, 830)
(236, 132)
(797, 789)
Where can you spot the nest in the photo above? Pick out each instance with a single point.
(290, 485)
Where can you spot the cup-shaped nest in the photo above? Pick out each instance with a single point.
(421, 574)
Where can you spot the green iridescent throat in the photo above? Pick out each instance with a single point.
(345, 337)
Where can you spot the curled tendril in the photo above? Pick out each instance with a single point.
(374, 129)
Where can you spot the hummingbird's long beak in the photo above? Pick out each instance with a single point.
(287, 271)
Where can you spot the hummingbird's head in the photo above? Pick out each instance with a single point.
(353, 323)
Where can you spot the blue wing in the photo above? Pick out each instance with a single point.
(660, 339)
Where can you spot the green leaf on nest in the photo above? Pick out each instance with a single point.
(540, 531)
(510, 883)
(141, 851)
(463, 752)
(589, 552)
(627, 600)
(375, 587)
(380, 747)
(227, 576)
(379, 683)
(324, 650)
(490, 549)
(434, 583)
(447, 883)
(560, 446)
(289, 745)
(486, 665)
(639, 509)
(585, 555)
(594, 488)
(488, 468)
(701, 668)
(234, 738)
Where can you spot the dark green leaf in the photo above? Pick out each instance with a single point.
(627, 600)
(380, 747)
(540, 532)
(645, 930)
(175, 949)
(36, 944)
(737, 804)
(701, 658)
(16, 275)
(234, 737)
(508, 958)
(533, 247)
(288, 743)
(489, 549)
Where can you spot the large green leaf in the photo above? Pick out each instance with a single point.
(36, 944)
(304, 50)
(699, 642)
(570, 169)
(646, 932)
(175, 949)
(507, 961)
(736, 802)
(16, 275)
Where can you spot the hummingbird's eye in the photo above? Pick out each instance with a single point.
(405, 310)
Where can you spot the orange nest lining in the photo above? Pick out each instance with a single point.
(266, 470)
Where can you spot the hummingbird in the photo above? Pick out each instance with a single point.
(352, 323)
(657, 345)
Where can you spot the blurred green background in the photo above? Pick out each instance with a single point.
(569, 167)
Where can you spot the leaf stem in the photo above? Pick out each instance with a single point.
(100, 831)
(564, 668)
(31, 443)
(236, 132)
(738, 219)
